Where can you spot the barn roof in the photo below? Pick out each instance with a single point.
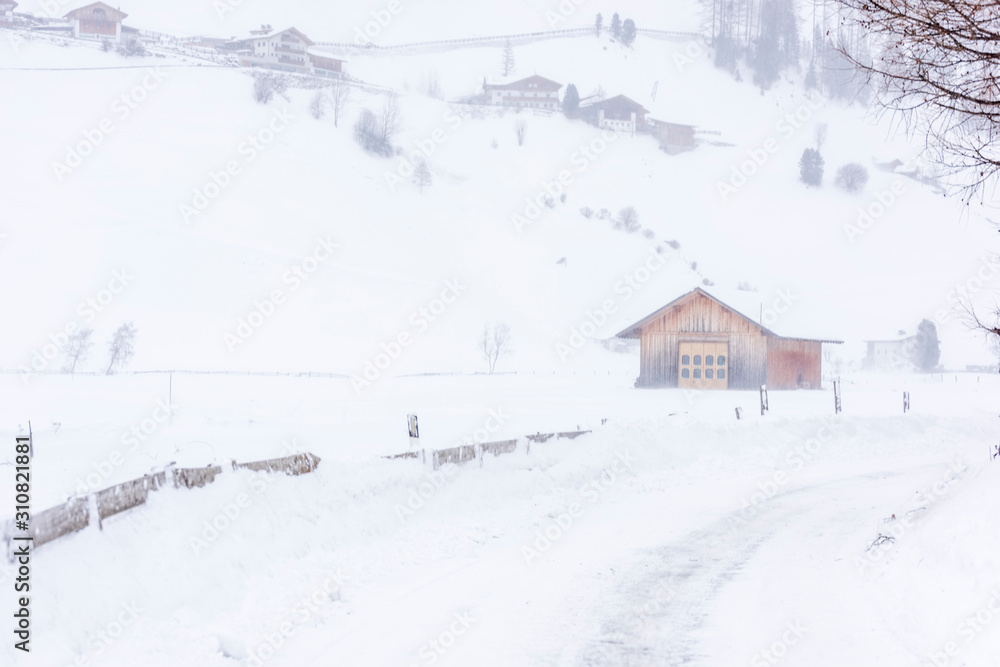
(634, 330)
(111, 12)
(301, 35)
(522, 84)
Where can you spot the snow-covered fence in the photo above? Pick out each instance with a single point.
(499, 447)
(298, 464)
(71, 516)
(190, 478)
(74, 515)
(127, 495)
(456, 455)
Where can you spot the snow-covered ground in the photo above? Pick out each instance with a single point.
(673, 534)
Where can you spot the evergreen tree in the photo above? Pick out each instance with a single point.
(598, 24)
(811, 81)
(927, 350)
(628, 32)
(507, 62)
(811, 167)
(616, 26)
(571, 100)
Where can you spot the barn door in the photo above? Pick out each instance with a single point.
(703, 366)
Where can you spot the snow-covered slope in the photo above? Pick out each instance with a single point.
(192, 278)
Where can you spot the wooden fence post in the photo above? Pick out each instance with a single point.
(414, 429)
(837, 405)
(739, 414)
(764, 407)
(906, 402)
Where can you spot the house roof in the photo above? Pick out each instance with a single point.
(618, 101)
(522, 84)
(297, 32)
(113, 14)
(324, 54)
(634, 330)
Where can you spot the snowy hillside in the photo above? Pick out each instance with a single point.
(197, 273)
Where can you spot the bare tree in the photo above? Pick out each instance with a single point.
(389, 121)
(317, 105)
(820, 136)
(937, 67)
(77, 349)
(495, 343)
(991, 328)
(339, 95)
(121, 347)
(851, 177)
(507, 63)
(628, 220)
(422, 175)
(520, 130)
(366, 131)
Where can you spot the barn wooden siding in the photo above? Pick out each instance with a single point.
(792, 364)
(700, 318)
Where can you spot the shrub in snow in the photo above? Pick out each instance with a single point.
(587, 212)
(673, 244)
(851, 177)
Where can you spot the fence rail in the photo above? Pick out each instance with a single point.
(75, 514)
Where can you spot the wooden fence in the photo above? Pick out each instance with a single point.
(75, 514)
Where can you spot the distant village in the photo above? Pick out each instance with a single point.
(290, 50)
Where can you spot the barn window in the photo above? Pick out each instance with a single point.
(708, 373)
(697, 360)
(722, 360)
(685, 373)
(709, 360)
(685, 360)
(722, 373)
(697, 373)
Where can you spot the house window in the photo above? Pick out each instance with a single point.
(685, 373)
(697, 373)
(697, 360)
(722, 360)
(685, 360)
(722, 373)
(709, 359)
(708, 373)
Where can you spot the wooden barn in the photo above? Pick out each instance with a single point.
(97, 21)
(698, 342)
